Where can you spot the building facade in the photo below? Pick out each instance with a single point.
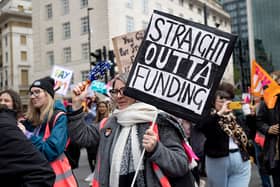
(266, 18)
(266, 35)
(16, 47)
(238, 13)
(65, 30)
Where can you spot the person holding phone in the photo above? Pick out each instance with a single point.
(227, 160)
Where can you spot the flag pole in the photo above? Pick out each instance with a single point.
(250, 32)
(143, 152)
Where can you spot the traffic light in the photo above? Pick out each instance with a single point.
(111, 58)
(104, 53)
(97, 56)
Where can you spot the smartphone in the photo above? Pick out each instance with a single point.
(235, 105)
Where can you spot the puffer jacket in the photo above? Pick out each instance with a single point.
(169, 153)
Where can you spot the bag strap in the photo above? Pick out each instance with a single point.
(50, 124)
(102, 123)
(55, 116)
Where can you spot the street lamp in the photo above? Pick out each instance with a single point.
(89, 37)
(205, 12)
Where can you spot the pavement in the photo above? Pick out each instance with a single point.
(83, 171)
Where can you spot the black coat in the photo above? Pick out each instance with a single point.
(217, 141)
(266, 118)
(21, 164)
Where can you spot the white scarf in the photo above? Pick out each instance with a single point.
(128, 118)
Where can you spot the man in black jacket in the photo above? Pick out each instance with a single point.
(21, 164)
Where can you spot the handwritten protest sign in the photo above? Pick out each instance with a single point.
(62, 79)
(179, 66)
(125, 49)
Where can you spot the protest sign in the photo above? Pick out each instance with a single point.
(262, 84)
(179, 66)
(125, 49)
(98, 86)
(62, 79)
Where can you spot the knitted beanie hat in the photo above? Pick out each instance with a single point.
(46, 83)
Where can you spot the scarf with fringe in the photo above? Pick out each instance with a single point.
(128, 118)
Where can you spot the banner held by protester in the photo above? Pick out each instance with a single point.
(62, 77)
(262, 84)
(179, 65)
(125, 49)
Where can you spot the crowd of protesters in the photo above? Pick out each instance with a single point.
(36, 145)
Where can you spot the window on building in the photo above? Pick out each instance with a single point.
(66, 30)
(199, 11)
(84, 75)
(6, 40)
(84, 3)
(6, 77)
(65, 7)
(145, 6)
(129, 4)
(158, 6)
(1, 80)
(144, 24)
(49, 12)
(233, 14)
(242, 4)
(244, 35)
(50, 58)
(6, 57)
(214, 18)
(190, 6)
(23, 39)
(85, 51)
(67, 54)
(84, 25)
(49, 35)
(181, 2)
(243, 12)
(24, 77)
(129, 24)
(231, 7)
(21, 8)
(23, 56)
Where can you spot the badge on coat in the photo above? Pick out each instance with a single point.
(108, 132)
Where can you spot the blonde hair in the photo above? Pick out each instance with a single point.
(37, 116)
(100, 116)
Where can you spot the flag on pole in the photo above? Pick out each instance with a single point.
(262, 84)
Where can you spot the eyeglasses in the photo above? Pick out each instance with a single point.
(35, 93)
(115, 92)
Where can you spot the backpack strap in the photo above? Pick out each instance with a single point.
(102, 123)
(50, 124)
(55, 116)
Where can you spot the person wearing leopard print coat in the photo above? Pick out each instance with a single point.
(227, 159)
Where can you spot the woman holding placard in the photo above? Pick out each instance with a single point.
(121, 139)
